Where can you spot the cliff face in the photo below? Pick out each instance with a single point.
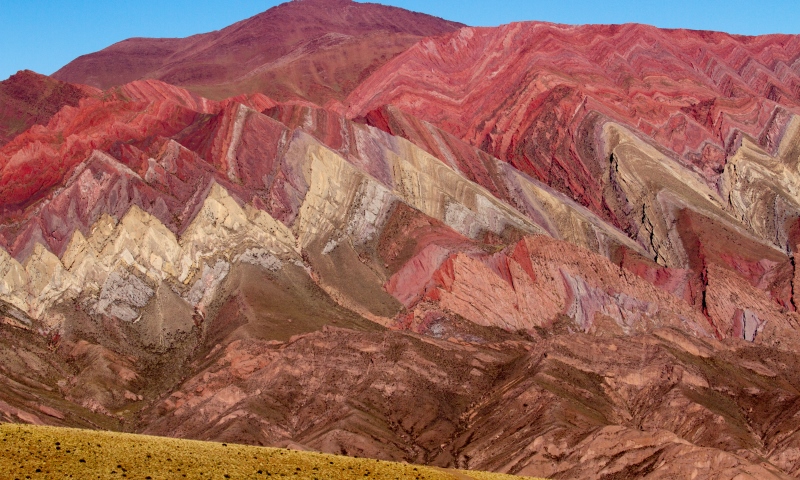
(563, 252)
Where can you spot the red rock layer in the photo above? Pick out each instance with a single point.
(46, 172)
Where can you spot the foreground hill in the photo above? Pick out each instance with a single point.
(312, 49)
(46, 452)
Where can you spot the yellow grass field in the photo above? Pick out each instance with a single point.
(35, 452)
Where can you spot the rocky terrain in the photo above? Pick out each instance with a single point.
(535, 249)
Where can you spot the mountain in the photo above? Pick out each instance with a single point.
(28, 99)
(228, 270)
(312, 49)
(566, 252)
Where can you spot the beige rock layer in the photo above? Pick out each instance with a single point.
(652, 190)
(134, 255)
(419, 180)
(762, 190)
(757, 194)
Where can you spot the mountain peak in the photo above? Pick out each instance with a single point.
(258, 54)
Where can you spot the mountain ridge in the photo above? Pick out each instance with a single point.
(573, 93)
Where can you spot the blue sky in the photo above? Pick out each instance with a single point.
(43, 35)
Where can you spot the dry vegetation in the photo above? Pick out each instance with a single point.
(31, 452)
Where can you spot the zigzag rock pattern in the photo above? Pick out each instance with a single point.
(567, 104)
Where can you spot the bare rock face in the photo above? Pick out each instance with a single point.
(566, 252)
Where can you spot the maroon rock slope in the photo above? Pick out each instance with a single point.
(313, 49)
(28, 98)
